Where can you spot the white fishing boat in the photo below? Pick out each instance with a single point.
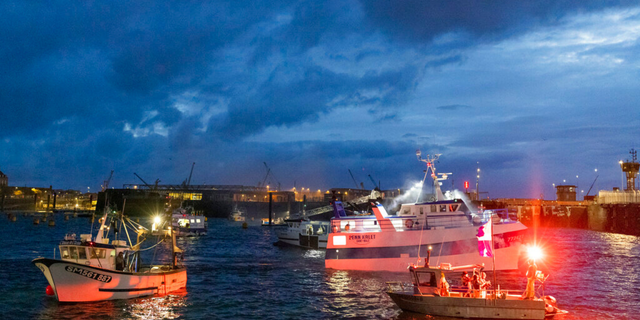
(304, 233)
(277, 222)
(98, 269)
(186, 224)
(383, 242)
(236, 215)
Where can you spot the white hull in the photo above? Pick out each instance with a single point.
(73, 282)
(394, 251)
(305, 235)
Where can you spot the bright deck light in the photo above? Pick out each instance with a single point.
(534, 253)
(156, 220)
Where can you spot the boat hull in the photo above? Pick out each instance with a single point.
(305, 241)
(394, 251)
(73, 282)
(190, 232)
(470, 307)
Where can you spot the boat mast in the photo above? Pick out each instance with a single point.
(493, 256)
(430, 165)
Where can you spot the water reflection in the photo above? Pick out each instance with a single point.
(166, 307)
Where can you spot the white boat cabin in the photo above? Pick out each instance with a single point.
(103, 255)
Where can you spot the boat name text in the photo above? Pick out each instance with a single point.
(89, 274)
(362, 238)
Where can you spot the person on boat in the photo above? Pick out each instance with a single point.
(530, 291)
(466, 282)
(120, 261)
(475, 284)
(443, 286)
(484, 284)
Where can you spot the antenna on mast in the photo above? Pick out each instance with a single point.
(430, 161)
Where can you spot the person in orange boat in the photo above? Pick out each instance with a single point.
(443, 286)
(530, 291)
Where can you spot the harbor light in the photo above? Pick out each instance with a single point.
(156, 223)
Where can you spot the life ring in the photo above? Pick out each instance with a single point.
(408, 224)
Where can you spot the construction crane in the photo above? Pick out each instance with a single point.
(105, 185)
(594, 182)
(374, 183)
(269, 172)
(145, 183)
(190, 174)
(354, 180)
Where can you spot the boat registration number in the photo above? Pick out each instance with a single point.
(89, 274)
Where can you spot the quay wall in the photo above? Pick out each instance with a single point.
(614, 218)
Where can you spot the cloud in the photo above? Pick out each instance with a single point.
(313, 88)
(453, 107)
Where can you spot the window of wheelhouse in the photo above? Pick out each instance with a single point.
(73, 253)
(426, 279)
(64, 252)
(82, 253)
(97, 253)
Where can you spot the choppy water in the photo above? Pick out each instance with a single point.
(235, 273)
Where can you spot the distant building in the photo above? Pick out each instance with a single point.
(4, 180)
(566, 193)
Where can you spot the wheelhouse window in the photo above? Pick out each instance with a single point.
(427, 279)
(443, 208)
(82, 253)
(97, 253)
(73, 253)
(64, 252)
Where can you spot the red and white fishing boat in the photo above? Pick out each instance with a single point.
(383, 242)
(97, 269)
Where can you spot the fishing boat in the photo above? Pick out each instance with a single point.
(304, 233)
(383, 242)
(186, 224)
(98, 269)
(236, 215)
(277, 222)
(425, 295)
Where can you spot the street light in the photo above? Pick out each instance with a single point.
(621, 176)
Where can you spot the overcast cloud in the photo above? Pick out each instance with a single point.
(533, 93)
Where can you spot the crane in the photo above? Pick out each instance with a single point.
(594, 182)
(145, 183)
(265, 177)
(374, 183)
(190, 174)
(354, 180)
(269, 172)
(105, 186)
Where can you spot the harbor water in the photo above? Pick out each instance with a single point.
(236, 273)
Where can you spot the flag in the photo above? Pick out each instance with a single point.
(484, 240)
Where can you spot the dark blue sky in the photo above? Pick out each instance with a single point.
(535, 92)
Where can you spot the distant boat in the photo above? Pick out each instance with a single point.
(236, 215)
(96, 269)
(188, 224)
(304, 233)
(274, 222)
